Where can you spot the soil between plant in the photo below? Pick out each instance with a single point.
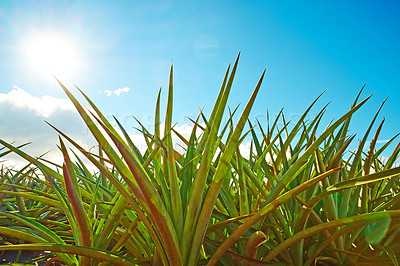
(10, 256)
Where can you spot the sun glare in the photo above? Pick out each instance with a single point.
(49, 54)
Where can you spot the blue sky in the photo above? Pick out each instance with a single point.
(307, 47)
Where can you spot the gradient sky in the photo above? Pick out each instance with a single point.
(306, 46)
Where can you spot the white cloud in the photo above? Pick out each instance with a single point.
(44, 106)
(378, 141)
(22, 121)
(117, 91)
(244, 148)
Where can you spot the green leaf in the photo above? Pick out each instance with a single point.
(72, 187)
(43, 231)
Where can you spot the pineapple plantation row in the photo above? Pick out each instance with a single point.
(300, 197)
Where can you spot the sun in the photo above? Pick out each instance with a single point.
(51, 55)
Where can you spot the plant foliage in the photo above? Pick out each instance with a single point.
(299, 198)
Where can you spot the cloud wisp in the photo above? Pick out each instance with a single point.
(117, 91)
